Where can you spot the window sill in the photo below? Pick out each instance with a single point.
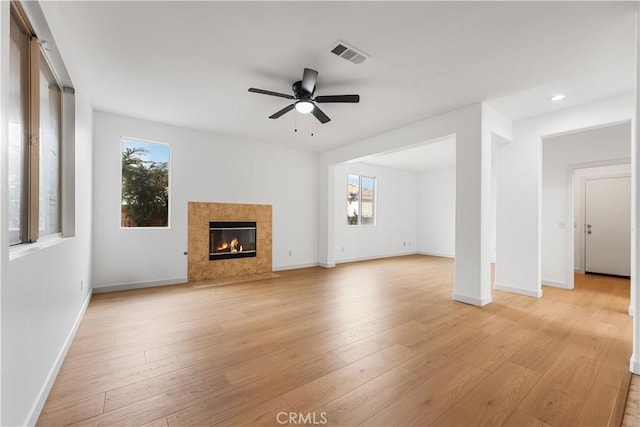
(25, 249)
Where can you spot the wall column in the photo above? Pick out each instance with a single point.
(472, 282)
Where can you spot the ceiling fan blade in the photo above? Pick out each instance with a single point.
(283, 111)
(320, 115)
(268, 92)
(309, 78)
(338, 98)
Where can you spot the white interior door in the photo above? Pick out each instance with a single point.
(608, 226)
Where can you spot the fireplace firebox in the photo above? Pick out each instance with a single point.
(228, 240)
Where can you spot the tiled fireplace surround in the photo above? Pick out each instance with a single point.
(200, 214)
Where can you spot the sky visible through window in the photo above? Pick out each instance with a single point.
(154, 152)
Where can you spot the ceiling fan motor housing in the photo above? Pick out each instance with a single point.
(300, 93)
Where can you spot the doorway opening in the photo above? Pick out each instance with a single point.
(602, 220)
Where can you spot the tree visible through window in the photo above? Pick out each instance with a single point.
(145, 184)
(360, 200)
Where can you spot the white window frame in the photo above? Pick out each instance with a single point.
(145, 141)
(374, 202)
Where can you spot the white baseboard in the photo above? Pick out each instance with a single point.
(369, 258)
(296, 266)
(634, 364)
(472, 300)
(139, 285)
(561, 285)
(325, 265)
(36, 409)
(631, 311)
(438, 254)
(521, 291)
(579, 271)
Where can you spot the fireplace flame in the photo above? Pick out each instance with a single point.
(234, 246)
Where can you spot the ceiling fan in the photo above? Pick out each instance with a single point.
(303, 95)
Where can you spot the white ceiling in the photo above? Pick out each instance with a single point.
(190, 63)
(429, 155)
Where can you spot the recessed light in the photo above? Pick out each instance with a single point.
(558, 97)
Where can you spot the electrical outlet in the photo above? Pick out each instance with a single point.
(290, 252)
(404, 243)
(81, 285)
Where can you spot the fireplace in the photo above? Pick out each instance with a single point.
(228, 240)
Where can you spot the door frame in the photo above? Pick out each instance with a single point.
(571, 234)
(583, 249)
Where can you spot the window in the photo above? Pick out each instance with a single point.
(50, 178)
(145, 184)
(35, 123)
(361, 191)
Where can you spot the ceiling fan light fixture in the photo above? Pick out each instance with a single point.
(556, 98)
(304, 107)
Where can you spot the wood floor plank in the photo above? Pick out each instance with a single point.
(631, 416)
(118, 397)
(448, 336)
(615, 363)
(592, 339)
(147, 410)
(424, 403)
(160, 422)
(71, 412)
(240, 399)
(572, 373)
(272, 412)
(553, 407)
(542, 349)
(86, 373)
(522, 419)
(561, 392)
(356, 406)
(322, 390)
(81, 389)
(493, 400)
(490, 354)
(356, 351)
(595, 411)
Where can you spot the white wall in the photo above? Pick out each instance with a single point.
(41, 295)
(518, 260)
(578, 204)
(206, 168)
(4, 149)
(561, 155)
(395, 232)
(437, 212)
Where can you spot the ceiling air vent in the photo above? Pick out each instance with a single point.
(349, 53)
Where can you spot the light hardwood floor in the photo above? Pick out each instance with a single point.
(632, 409)
(369, 343)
